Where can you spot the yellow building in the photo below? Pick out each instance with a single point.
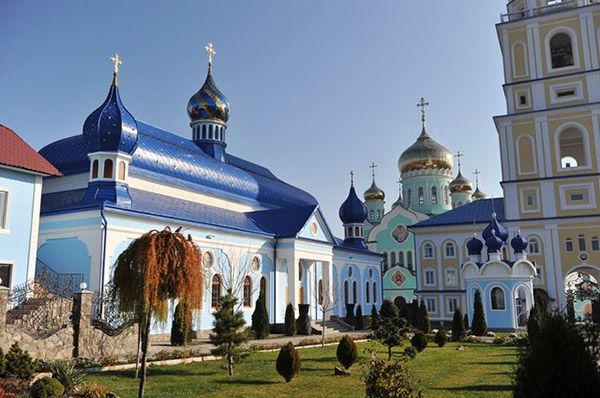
(550, 151)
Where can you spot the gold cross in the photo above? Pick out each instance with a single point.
(422, 104)
(458, 156)
(372, 167)
(116, 60)
(477, 173)
(210, 50)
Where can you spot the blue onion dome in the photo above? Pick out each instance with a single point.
(460, 184)
(111, 127)
(425, 154)
(518, 243)
(498, 228)
(474, 246)
(353, 210)
(494, 243)
(208, 103)
(478, 194)
(374, 193)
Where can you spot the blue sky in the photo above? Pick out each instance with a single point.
(317, 87)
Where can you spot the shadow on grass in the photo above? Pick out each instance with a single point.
(495, 363)
(481, 387)
(247, 382)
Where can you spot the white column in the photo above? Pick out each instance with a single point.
(293, 285)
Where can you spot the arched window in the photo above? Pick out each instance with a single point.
(401, 259)
(446, 195)
(519, 59)
(572, 148)
(374, 292)
(247, 297)
(581, 243)
(534, 246)
(595, 244)
(210, 132)
(427, 250)
(320, 291)
(122, 170)
(95, 169)
(449, 250)
(393, 259)
(409, 197)
(409, 260)
(350, 230)
(569, 244)
(354, 292)
(371, 214)
(263, 287)
(216, 291)
(434, 198)
(346, 294)
(525, 155)
(367, 293)
(357, 232)
(421, 196)
(385, 261)
(561, 50)
(498, 299)
(204, 131)
(108, 168)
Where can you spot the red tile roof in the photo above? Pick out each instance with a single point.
(15, 152)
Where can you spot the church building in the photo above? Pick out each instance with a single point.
(124, 177)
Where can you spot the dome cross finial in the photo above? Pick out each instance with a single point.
(372, 167)
(476, 173)
(116, 61)
(422, 104)
(458, 155)
(352, 178)
(210, 50)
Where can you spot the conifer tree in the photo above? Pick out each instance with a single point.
(479, 326)
(290, 320)
(423, 318)
(288, 362)
(260, 318)
(533, 324)
(346, 352)
(458, 326)
(228, 332)
(389, 310)
(374, 317)
(360, 324)
(181, 329)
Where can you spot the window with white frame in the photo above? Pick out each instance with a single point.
(534, 246)
(497, 296)
(452, 304)
(561, 51)
(5, 274)
(451, 279)
(430, 303)
(595, 244)
(429, 277)
(569, 244)
(449, 251)
(572, 148)
(3, 209)
(427, 250)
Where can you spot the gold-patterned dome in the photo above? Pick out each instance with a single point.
(478, 194)
(374, 193)
(425, 154)
(460, 184)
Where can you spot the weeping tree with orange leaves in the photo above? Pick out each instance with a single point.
(156, 267)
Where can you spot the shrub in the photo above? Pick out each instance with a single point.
(441, 338)
(388, 310)
(533, 323)
(467, 321)
(556, 364)
(65, 372)
(47, 387)
(458, 326)
(290, 320)
(479, 326)
(181, 329)
(410, 352)
(374, 317)
(423, 318)
(360, 322)
(288, 362)
(347, 352)
(389, 332)
(499, 340)
(18, 363)
(419, 341)
(94, 390)
(260, 318)
(389, 380)
(2, 364)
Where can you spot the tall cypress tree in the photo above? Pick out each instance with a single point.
(479, 326)
(290, 320)
(423, 318)
(458, 326)
(228, 332)
(260, 318)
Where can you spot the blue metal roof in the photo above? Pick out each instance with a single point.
(476, 212)
(175, 160)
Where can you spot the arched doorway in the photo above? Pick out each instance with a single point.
(522, 306)
(581, 289)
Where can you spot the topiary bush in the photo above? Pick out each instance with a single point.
(260, 318)
(18, 363)
(389, 379)
(479, 327)
(47, 387)
(388, 310)
(346, 352)
(290, 321)
(360, 322)
(458, 326)
(419, 341)
(181, 329)
(288, 362)
(441, 338)
(423, 318)
(410, 352)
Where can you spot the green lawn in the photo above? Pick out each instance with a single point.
(478, 371)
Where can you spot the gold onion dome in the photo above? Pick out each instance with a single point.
(460, 184)
(374, 193)
(478, 194)
(425, 154)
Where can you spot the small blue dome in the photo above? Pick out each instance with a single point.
(474, 246)
(493, 242)
(208, 103)
(501, 232)
(519, 244)
(353, 210)
(111, 127)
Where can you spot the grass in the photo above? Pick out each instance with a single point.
(481, 370)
